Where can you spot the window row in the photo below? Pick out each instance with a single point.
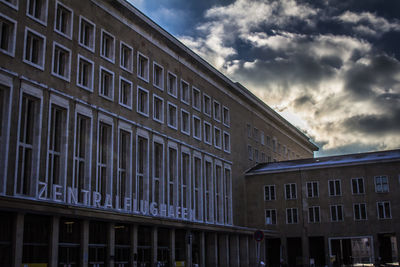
(336, 213)
(334, 188)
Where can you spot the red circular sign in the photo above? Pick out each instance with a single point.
(259, 235)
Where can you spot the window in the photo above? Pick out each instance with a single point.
(270, 216)
(8, 29)
(269, 192)
(172, 116)
(87, 32)
(158, 76)
(336, 213)
(207, 105)
(106, 83)
(357, 185)
(184, 192)
(11, 3)
(255, 134)
(63, 20)
(185, 92)
(256, 155)
(291, 216)
(228, 194)
(217, 137)
(172, 85)
(172, 175)
(334, 188)
(312, 189)
(250, 152)
(196, 98)
(107, 46)
(28, 145)
(104, 158)
(290, 191)
(208, 191)
(158, 171)
(226, 116)
(197, 202)
(219, 201)
(207, 133)
(227, 142)
(124, 166)
(313, 214)
(360, 211)
(5, 117)
(279, 148)
(158, 108)
(85, 73)
(381, 184)
(37, 10)
(262, 138)
(384, 210)
(142, 101)
(126, 57)
(217, 111)
(274, 145)
(196, 127)
(262, 157)
(185, 122)
(142, 168)
(125, 92)
(34, 51)
(61, 62)
(268, 141)
(143, 67)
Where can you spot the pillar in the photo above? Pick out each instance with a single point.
(172, 247)
(327, 252)
(85, 243)
(305, 250)
(54, 235)
(284, 249)
(212, 249)
(154, 246)
(202, 249)
(111, 244)
(188, 248)
(134, 244)
(234, 256)
(253, 251)
(223, 250)
(244, 251)
(18, 239)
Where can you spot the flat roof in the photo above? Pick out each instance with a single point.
(323, 162)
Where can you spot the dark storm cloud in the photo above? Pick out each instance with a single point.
(303, 100)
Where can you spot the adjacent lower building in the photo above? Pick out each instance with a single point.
(335, 211)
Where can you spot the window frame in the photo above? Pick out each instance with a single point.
(314, 217)
(175, 127)
(357, 179)
(15, 5)
(216, 145)
(12, 40)
(335, 194)
(272, 197)
(205, 96)
(385, 217)
(337, 213)
(216, 111)
(294, 221)
(162, 108)
(273, 214)
(101, 69)
(173, 94)
(68, 77)
(147, 67)
(312, 183)
(71, 21)
(46, 7)
(121, 80)
(290, 191)
(121, 46)
(143, 113)
(381, 184)
(93, 41)
(226, 121)
(103, 34)
(187, 122)
(208, 142)
(91, 88)
(161, 86)
(183, 94)
(195, 136)
(196, 106)
(224, 134)
(43, 48)
(360, 213)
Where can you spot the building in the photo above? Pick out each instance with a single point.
(121, 146)
(338, 210)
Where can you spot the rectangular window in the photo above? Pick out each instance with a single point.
(270, 216)
(158, 108)
(250, 152)
(381, 184)
(226, 116)
(158, 76)
(268, 141)
(172, 85)
(217, 138)
(35, 45)
(124, 166)
(85, 73)
(104, 159)
(125, 92)
(63, 20)
(335, 188)
(207, 105)
(269, 192)
(126, 57)
(256, 155)
(291, 216)
(5, 116)
(172, 175)
(274, 145)
(357, 185)
(11, 3)
(172, 116)
(185, 92)
(262, 157)
(184, 181)
(228, 194)
(336, 213)
(37, 10)
(207, 133)
(8, 29)
(209, 191)
(360, 211)
(227, 142)
(28, 145)
(142, 101)
(290, 191)
(217, 111)
(87, 32)
(255, 134)
(107, 46)
(384, 211)
(61, 61)
(219, 198)
(262, 138)
(312, 189)
(196, 98)
(106, 83)
(197, 198)
(158, 173)
(142, 171)
(196, 127)
(185, 122)
(313, 214)
(143, 67)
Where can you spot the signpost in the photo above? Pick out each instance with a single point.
(258, 237)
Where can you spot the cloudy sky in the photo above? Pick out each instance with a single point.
(330, 67)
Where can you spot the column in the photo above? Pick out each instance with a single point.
(85, 243)
(188, 248)
(18, 239)
(305, 250)
(327, 252)
(134, 244)
(223, 250)
(284, 249)
(172, 247)
(202, 249)
(244, 251)
(54, 234)
(212, 249)
(234, 256)
(263, 256)
(154, 246)
(111, 244)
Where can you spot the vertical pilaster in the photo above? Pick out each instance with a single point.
(223, 250)
(284, 256)
(305, 250)
(188, 248)
(134, 244)
(172, 247)
(85, 243)
(154, 246)
(244, 251)
(234, 254)
(111, 244)
(212, 249)
(54, 235)
(327, 252)
(202, 249)
(18, 239)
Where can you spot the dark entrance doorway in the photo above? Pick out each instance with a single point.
(294, 251)
(387, 248)
(122, 245)
(144, 246)
(273, 251)
(69, 242)
(163, 247)
(317, 250)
